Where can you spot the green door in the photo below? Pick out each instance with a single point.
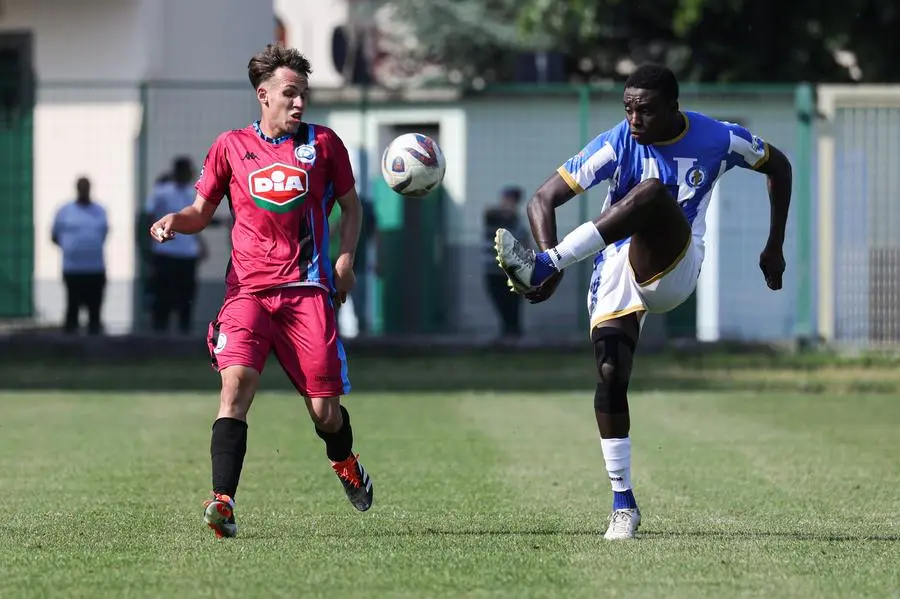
(411, 297)
(16, 199)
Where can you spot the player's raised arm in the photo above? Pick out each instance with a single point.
(211, 188)
(188, 221)
(350, 222)
(595, 163)
(779, 176)
(542, 209)
(349, 226)
(751, 152)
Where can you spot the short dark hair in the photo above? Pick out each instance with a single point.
(182, 169)
(263, 65)
(656, 77)
(514, 192)
(182, 163)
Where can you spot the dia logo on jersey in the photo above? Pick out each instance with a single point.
(278, 187)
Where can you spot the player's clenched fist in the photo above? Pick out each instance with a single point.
(161, 230)
(344, 277)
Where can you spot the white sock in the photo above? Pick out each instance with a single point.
(584, 242)
(617, 453)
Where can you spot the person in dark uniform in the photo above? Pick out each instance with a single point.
(504, 215)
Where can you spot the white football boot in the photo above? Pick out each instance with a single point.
(623, 524)
(516, 260)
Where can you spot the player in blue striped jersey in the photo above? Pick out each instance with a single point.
(661, 164)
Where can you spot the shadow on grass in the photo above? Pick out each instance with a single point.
(428, 531)
(154, 365)
(760, 534)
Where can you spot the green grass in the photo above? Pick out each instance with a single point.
(478, 494)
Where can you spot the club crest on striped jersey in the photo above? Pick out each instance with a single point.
(278, 187)
(695, 177)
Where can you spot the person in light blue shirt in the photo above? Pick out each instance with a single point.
(176, 262)
(80, 229)
(661, 164)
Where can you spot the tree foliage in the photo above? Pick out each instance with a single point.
(702, 40)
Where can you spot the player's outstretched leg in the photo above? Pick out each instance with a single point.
(614, 345)
(648, 211)
(228, 447)
(332, 421)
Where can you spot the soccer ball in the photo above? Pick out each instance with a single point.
(413, 165)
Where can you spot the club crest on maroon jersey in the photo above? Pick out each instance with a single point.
(306, 154)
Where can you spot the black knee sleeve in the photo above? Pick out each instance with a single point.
(614, 352)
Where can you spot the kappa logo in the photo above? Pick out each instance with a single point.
(279, 187)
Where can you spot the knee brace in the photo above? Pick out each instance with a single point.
(614, 351)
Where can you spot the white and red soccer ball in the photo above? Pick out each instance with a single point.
(413, 165)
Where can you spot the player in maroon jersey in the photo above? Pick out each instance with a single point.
(281, 177)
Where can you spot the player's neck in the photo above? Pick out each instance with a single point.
(679, 124)
(274, 132)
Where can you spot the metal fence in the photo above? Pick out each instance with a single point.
(859, 190)
(520, 134)
(843, 277)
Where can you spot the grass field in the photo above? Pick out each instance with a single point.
(793, 492)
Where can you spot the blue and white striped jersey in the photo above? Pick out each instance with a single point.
(688, 165)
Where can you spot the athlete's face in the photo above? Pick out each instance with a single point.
(283, 98)
(650, 116)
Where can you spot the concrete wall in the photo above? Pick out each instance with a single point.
(90, 58)
(201, 49)
(309, 25)
(83, 129)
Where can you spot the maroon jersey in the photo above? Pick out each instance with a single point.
(280, 193)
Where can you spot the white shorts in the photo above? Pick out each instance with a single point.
(614, 291)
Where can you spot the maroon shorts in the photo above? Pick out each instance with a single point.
(298, 323)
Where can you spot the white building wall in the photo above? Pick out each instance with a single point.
(83, 131)
(212, 40)
(89, 58)
(309, 26)
(97, 40)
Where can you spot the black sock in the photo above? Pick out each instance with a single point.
(227, 449)
(339, 444)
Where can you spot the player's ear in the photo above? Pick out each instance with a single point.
(262, 94)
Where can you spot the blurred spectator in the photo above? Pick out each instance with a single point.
(505, 215)
(144, 221)
(174, 264)
(80, 229)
